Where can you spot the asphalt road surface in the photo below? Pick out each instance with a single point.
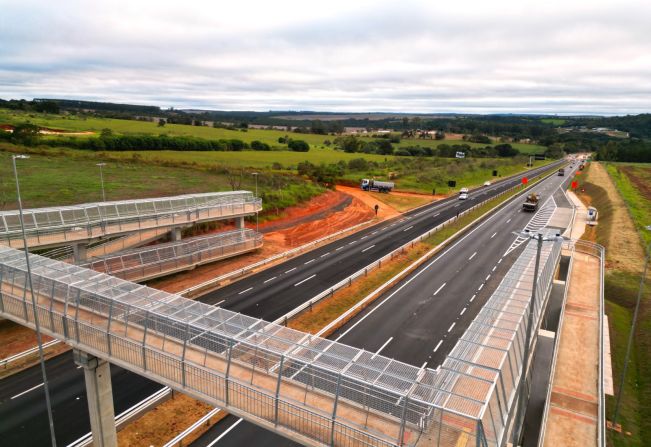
(268, 294)
(419, 320)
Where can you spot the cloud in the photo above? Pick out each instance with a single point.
(413, 56)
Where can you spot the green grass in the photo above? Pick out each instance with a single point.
(554, 121)
(66, 177)
(427, 174)
(82, 123)
(638, 203)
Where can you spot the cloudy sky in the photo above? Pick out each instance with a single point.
(499, 56)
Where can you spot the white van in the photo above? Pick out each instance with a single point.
(463, 194)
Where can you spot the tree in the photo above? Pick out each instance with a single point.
(161, 122)
(234, 180)
(298, 146)
(348, 144)
(106, 132)
(25, 133)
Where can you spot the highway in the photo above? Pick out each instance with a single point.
(419, 320)
(268, 294)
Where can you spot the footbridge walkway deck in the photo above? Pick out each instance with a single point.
(66, 225)
(310, 389)
(142, 264)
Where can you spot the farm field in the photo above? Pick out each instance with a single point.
(65, 177)
(80, 124)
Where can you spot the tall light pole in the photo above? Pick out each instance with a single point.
(630, 335)
(519, 417)
(39, 339)
(255, 174)
(101, 178)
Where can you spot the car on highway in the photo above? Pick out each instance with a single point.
(487, 183)
(463, 196)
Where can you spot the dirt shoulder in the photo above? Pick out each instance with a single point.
(623, 241)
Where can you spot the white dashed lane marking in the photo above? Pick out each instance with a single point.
(439, 289)
(306, 279)
(368, 248)
(246, 290)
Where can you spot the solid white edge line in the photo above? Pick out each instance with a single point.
(218, 438)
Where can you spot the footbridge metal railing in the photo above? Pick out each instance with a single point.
(79, 223)
(310, 389)
(145, 263)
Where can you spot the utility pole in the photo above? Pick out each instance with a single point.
(39, 338)
(101, 178)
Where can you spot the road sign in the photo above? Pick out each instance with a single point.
(575, 185)
(525, 180)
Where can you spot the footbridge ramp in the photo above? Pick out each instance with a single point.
(66, 225)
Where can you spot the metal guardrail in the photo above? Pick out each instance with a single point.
(145, 263)
(65, 225)
(207, 285)
(378, 263)
(6, 361)
(129, 414)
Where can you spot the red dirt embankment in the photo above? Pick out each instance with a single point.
(323, 215)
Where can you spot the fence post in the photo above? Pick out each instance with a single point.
(144, 339)
(403, 420)
(185, 345)
(108, 327)
(228, 369)
(334, 411)
(280, 375)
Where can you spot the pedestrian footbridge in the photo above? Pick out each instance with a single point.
(312, 390)
(78, 224)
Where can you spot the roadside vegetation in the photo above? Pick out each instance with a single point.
(624, 207)
(53, 177)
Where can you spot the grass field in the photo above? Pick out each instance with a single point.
(80, 123)
(68, 177)
(554, 121)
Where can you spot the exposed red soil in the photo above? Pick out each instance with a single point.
(319, 217)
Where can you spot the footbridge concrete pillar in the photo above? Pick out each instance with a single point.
(176, 234)
(99, 393)
(239, 223)
(80, 253)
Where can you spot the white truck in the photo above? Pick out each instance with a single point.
(376, 185)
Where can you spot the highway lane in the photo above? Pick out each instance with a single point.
(268, 294)
(419, 320)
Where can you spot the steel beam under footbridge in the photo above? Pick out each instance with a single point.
(79, 224)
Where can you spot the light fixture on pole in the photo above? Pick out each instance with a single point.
(540, 238)
(101, 178)
(255, 174)
(37, 325)
(632, 332)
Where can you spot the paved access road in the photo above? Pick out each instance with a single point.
(268, 294)
(419, 320)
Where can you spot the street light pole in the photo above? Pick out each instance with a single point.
(520, 413)
(39, 338)
(632, 332)
(255, 174)
(101, 178)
